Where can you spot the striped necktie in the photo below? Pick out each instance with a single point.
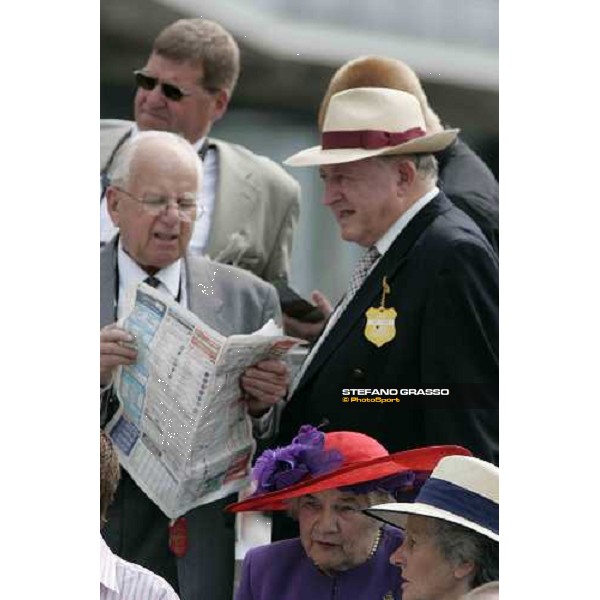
(361, 270)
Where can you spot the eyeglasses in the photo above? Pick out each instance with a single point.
(170, 91)
(155, 205)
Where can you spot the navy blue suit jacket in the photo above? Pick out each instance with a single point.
(443, 278)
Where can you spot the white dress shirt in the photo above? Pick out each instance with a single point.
(388, 238)
(122, 580)
(208, 194)
(172, 280)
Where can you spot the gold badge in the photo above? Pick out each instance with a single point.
(388, 596)
(381, 321)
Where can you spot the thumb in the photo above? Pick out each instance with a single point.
(322, 302)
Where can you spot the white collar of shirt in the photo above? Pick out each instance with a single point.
(384, 243)
(131, 274)
(198, 144)
(108, 567)
(172, 279)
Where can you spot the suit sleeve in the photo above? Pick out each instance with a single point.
(265, 427)
(460, 349)
(108, 405)
(271, 307)
(278, 264)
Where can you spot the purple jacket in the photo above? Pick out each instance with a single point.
(282, 571)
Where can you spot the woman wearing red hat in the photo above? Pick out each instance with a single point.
(325, 480)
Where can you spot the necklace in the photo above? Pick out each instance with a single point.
(375, 544)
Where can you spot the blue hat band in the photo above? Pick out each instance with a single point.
(460, 502)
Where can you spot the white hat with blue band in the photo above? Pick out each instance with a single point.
(461, 489)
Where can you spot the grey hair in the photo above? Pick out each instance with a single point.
(120, 168)
(459, 544)
(425, 164)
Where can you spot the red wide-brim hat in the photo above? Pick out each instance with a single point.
(359, 466)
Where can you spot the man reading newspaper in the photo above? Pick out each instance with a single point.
(152, 199)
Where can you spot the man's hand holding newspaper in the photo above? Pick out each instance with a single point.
(182, 430)
(265, 384)
(117, 347)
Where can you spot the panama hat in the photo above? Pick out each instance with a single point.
(365, 122)
(461, 489)
(317, 461)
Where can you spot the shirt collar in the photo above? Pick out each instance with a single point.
(108, 567)
(198, 145)
(384, 243)
(131, 274)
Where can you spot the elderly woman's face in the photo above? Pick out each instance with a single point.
(426, 574)
(334, 533)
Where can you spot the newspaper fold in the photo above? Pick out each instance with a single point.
(182, 431)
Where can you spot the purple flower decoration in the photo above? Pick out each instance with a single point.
(305, 456)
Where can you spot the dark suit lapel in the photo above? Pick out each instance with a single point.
(370, 292)
(108, 257)
(234, 203)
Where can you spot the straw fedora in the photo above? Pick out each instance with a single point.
(315, 462)
(461, 489)
(365, 122)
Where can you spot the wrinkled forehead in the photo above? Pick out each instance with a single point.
(175, 69)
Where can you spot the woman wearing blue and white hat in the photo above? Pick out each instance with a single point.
(452, 537)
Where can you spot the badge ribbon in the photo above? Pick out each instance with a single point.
(381, 321)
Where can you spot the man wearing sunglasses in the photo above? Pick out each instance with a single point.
(155, 178)
(251, 204)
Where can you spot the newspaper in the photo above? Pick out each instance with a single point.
(182, 431)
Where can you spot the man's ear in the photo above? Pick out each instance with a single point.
(406, 173)
(112, 204)
(220, 106)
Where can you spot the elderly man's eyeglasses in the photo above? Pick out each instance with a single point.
(187, 208)
(170, 91)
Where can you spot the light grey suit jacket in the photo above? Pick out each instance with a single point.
(256, 208)
(229, 300)
(226, 298)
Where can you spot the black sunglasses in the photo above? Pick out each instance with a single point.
(170, 91)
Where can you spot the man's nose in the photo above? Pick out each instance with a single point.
(170, 213)
(155, 96)
(330, 194)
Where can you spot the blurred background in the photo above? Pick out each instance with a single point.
(289, 51)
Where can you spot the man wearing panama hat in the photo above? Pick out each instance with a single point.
(410, 355)
(451, 531)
